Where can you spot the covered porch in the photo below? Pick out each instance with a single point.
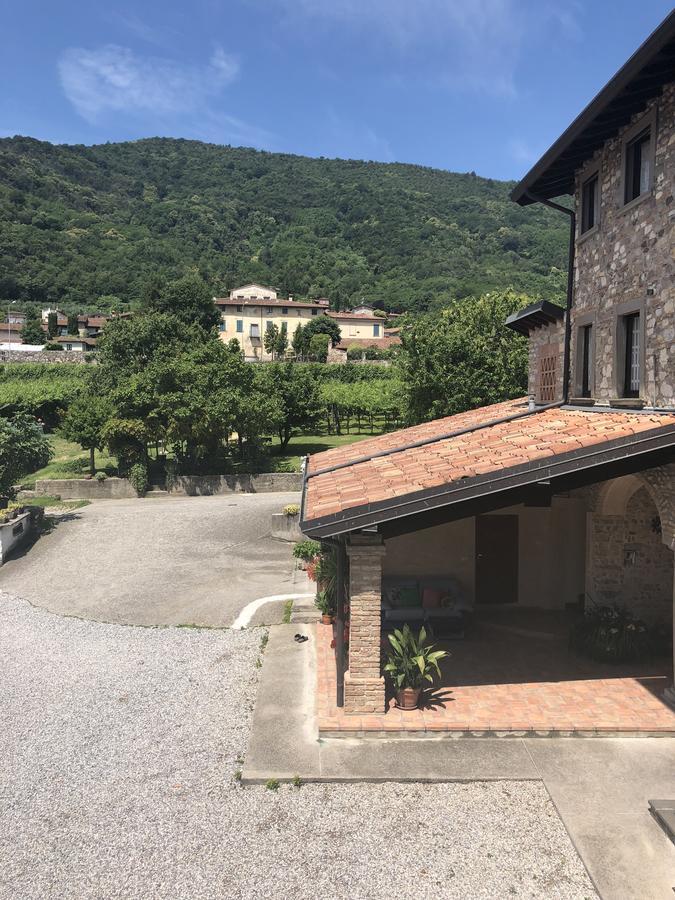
(516, 562)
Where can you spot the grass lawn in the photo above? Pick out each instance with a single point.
(69, 461)
(305, 444)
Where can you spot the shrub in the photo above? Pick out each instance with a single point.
(306, 550)
(611, 634)
(138, 476)
(101, 476)
(411, 660)
(52, 345)
(291, 509)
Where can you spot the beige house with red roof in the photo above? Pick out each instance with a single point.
(517, 516)
(250, 310)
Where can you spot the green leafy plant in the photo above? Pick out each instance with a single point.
(306, 550)
(238, 775)
(411, 661)
(324, 603)
(291, 509)
(101, 476)
(611, 634)
(288, 611)
(296, 781)
(272, 784)
(138, 476)
(325, 575)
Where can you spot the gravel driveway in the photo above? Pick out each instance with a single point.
(182, 560)
(118, 748)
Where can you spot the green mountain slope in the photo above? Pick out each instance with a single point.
(80, 223)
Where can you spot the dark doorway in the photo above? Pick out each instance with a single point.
(496, 559)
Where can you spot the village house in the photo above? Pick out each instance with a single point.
(250, 310)
(503, 524)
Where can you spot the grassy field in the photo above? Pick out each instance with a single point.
(69, 461)
(305, 444)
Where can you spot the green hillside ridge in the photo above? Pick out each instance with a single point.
(87, 226)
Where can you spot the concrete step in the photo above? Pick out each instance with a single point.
(304, 611)
(156, 492)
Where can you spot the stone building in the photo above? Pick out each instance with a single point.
(543, 504)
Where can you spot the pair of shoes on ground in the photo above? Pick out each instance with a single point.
(300, 638)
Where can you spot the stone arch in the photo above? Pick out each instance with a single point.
(614, 496)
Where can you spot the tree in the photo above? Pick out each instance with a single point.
(298, 341)
(73, 324)
(32, 332)
(462, 357)
(271, 339)
(52, 324)
(282, 341)
(23, 449)
(296, 397)
(85, 420)
(188, 298)
(322, 324)
(318, 347)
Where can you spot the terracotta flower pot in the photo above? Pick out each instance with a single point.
(408, 698)
(326, 619)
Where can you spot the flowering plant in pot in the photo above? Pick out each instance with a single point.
(411, 662)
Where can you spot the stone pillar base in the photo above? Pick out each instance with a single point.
(363, 695)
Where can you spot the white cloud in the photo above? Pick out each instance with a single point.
(467, 44)
(114, 78)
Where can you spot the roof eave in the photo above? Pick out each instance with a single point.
(587, 461)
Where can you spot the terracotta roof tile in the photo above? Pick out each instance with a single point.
(495, 448)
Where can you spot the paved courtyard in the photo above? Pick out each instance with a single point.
(185, 560)
(118, 749)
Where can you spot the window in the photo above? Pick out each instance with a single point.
(631, 334)
(285, 310)
(255, 330)
(315, 312)
(589, 203)
(376, 330)
(240, 309)
(547, 377)
(222, 327)
(268, 311)
(269, 325)
(638, 166)
(586, 342)
(240, 326)
(69, 346)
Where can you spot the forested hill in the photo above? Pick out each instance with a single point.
(82, 223)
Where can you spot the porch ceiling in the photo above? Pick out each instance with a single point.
(476, 461)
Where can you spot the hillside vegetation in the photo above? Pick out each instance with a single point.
(89, 227)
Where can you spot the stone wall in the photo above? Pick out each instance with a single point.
(190, 485)
(46, 356)
(85, 488)
(630, 257)
(544, 343)
(630, 563)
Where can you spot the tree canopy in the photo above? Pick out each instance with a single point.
(105, 226)
(23, 449)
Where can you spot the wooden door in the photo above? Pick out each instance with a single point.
(496, 559)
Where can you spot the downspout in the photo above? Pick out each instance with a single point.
(570, 287)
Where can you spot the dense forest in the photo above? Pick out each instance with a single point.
(90, 227)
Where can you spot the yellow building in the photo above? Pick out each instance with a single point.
(250, 310)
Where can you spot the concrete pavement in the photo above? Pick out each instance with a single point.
(173, 561)
(600, 786)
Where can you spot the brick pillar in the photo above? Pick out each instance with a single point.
(364, 684)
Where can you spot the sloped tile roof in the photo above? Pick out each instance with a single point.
(490, 443)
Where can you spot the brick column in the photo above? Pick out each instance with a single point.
(364, 684)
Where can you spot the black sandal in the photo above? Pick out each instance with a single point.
(300, 638)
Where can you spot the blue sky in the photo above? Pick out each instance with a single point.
(483, 85)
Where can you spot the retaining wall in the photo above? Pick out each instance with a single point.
(286, 528)
(181, 485)
(45, 356)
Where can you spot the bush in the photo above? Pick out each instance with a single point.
(611, 634)
(101, 476)
(53, 345)
(306, 550)
(138, 476)
(292, 509)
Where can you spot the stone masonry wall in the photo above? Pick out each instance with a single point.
(543, 342)
(630, 256)
(631, 565)
(46, 356)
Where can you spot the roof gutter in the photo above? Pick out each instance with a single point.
(570, 286)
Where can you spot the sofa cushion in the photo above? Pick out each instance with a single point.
(431, 598)
(400, 593)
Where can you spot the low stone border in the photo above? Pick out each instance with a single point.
(181, 485)
(286, 528)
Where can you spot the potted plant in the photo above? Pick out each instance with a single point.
(325, 607)
(410, 663)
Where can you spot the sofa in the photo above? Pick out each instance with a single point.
(440, 604)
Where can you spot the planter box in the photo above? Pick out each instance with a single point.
(14, 533)
(286, 528)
